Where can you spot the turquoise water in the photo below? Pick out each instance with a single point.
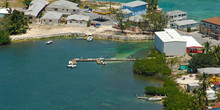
(33, 76)
(196, 9)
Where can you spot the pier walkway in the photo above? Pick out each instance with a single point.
(98, 60)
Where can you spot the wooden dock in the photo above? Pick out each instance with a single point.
(98, 60)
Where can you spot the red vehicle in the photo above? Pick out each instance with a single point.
(93, 24)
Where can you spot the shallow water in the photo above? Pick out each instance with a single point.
(33, 76)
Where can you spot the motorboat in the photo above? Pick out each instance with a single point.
(103, 63)
(89, 38)
(70, 63)
(49, 42)
(70, 66)
(154, 99)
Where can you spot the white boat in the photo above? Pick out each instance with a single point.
(70, 63)
(49, 42)
(154, 99)
(70, 66)
(103, 63)
(89, 38)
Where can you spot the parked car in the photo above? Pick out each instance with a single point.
(86, 7)
(97, 25)
(87, 11)
(92, 24)
(90, 9)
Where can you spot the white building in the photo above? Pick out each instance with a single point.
(51, 18)
(64, 6)
(170, 42)
(177, 15)
(184, 24)
(77, 20)
(35, 10)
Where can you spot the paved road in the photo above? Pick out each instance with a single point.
(198, 36)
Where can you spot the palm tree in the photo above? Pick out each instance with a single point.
(216, 52)
(206, 47)
(202, 95)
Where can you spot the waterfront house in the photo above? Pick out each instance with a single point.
(213, 71)
(176, 15)
(136, 7)
(63, 6)
(184, 24)
(211, 27)
(77, 20)
(192, 87)
(126, 12)
(170, 42)
(51, 18)
(192, 46)
(34, 12)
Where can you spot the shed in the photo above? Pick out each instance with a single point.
(184, 66)
(192, 87)
(170, 42)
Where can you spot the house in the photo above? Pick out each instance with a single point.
(176, 15)
(51, 18)
(192, 46)
(34, 12)
(210, 26)
(170, 42)
(136, 7)
(184, 24)
(184, 66)
(63, 6)
(211, 95)
(192, 87)
(216, 85)
(127, 12)
(214, 71)
(77, 20)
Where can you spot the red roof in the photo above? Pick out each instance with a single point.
(216, 83)
(213, 20)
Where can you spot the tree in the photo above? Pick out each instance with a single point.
(188, 29)
(16, 23)
(202, 60)
(173, 61)
(216, 52)
(206, 47)
(6, 4)
(89, 23)
(157, 20)
(202, 95)
(4, 37)
(143, 25)
(27, 3)
(151, 5)
(121, 19)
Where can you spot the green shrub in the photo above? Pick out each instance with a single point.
(4, 37)
(188, 29)
(89, 23)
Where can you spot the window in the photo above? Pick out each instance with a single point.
(70, 21)
(66, 9)
(55, 9)
(175, 16)
(50, 20)
(74, 10)
(30, 17)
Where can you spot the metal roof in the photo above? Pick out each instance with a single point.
(194, 84)
(52, 15)
(34, 9)
(191, 42)
(64, 4)
(209, 70)
(170, 35)
(39, 1)
(185, 22)
(175, 12)
(135, 3)
(5, 11)
(78, 17)
(126, 11)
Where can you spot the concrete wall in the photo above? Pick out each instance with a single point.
(184, 27)
(178, 17)
(77, 23)
(158, 44)
(174, 48)
(63, 10)
(206, 27)
(50, 21)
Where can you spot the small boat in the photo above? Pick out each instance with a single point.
(154, 99)
(49, 42)
(89, 38)
(70, 66)
(103, 63)
(70, 63)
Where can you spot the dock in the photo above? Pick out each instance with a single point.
(98, 60)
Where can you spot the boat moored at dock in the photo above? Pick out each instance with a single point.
(89, 38)
(49, 42)
(70, 66)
